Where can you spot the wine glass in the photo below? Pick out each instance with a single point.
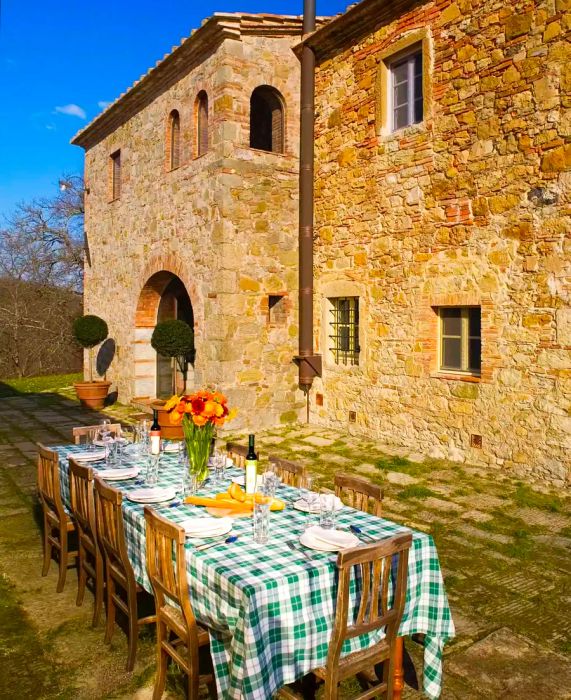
(309, 495)
(105, 429)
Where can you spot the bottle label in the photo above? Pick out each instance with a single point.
(251, 475)
(155, 444)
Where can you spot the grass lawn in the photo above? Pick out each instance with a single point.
(34, 385)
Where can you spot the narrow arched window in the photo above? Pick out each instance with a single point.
(267, 120)
(174, 140)
(201, 123)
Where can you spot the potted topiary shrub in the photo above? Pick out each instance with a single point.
(89, 331)
(173, 339)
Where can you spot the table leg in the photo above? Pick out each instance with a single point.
(399, 672)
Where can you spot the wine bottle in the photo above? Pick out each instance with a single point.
(155, 435)
(251, 466)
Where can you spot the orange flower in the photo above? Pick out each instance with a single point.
(218, 397)
(219, 411)
(210, 409)
(175, 417)
(172, 402)
(199, 420)
(181, 406)
(188, 407)
(218, 421)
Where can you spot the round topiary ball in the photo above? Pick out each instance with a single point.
(173, 338)
(90, 330)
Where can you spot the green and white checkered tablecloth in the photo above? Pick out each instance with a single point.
(269, 610)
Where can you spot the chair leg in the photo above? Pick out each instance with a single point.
(82, 578)
(212, 690)
(133, 629)
(47, 547)
(162, 662)
(99, 586)
(62, 558)
(110, 626)
(389, 675)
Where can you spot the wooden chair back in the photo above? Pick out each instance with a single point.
(109, 523)
(290, 473)
(237, 453)
(48, 480)
(376, 564)
(81, 495)
(166, 567)
(92, 430)
(359, 493)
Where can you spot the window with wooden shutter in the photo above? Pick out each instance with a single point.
(460, 339)
(267, 120)
(202, 123)
(115, 170)
(174, 140)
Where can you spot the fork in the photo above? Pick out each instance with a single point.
(228, 540)
(293, 548)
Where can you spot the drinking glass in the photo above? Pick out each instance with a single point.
(152, 473)
(188, 483)
(104, 430)
(219, 463)
(327, 510)
(261, 517)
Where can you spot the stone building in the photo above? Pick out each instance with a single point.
(443, 236)
(191, 212)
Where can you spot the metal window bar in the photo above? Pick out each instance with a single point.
(345, 330)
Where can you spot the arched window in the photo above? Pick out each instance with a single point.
(201, 123)
(173, 140)
(267, 119)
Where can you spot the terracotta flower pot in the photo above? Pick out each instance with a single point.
(92, 394)
(168, 431)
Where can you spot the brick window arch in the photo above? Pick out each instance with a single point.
(267, 119)
(201, 123)
(173, 140)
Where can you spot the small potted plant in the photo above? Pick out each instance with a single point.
(90, 331)
(173, 339)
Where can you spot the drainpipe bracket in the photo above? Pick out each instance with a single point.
(310, 366)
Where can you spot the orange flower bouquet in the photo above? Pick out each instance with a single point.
(200, 414)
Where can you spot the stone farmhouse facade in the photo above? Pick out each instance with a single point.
(443, 173)
(442, 242)
(189, 216)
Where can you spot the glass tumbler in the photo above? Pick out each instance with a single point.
(327, 510)
(152, 473)
(261, 518)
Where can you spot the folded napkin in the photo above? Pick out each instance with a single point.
(332, 538)
(87, 455)
(117, 473)
(206, 527)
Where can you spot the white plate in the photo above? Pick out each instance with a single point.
(155, 494)
(206, 527)
(323, 540)
(240, 480)
(302, 505)
(118, 474)
(90, 456)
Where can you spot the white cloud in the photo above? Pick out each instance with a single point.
(72, 110)
(50, 127)
(102, 104)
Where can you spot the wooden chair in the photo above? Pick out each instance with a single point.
(178, 634)
(291, 473)
(374, 563)
(58, 525)
(237, 453)
(92, 430)
(360, 493)
(90, 556)
(118, 569)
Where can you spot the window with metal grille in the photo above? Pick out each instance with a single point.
(460, 339)
(267, 120)
(344, 327)
(201, 123)
(115, 168)
(174, 140)
(406, 90)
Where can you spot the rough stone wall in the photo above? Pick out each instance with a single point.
(225, 223)
(469, 207)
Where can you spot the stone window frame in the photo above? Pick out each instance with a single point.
(383, 117)
(335, 289)
(169, 145)
(283, 111)
(280, 319)
(115, 175)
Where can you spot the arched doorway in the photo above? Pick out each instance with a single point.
(163, 297)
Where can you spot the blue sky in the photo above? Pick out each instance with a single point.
(60, 61)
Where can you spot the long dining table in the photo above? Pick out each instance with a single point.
(269, 609)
